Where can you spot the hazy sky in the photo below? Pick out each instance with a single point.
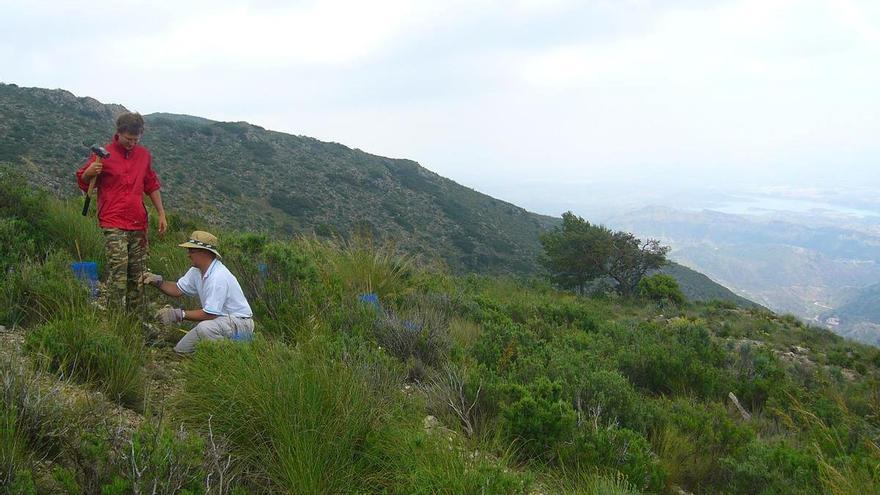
(495, 94)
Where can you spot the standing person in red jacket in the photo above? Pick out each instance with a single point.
(122, 181)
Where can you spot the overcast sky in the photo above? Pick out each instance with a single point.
(496, 94)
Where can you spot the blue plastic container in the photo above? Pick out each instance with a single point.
(372, 300)
(87, 272)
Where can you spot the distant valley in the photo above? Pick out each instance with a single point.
(809, 264)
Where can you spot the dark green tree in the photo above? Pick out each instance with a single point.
(631, 258)
(578, 253)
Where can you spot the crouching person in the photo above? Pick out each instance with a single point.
(225, 313)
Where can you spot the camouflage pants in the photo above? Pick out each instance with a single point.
(126, 261)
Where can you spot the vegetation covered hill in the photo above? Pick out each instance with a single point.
(236, 174)
(241, 176)
(451, 384)
(698, 287)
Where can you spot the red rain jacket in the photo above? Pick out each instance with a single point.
(125, 178)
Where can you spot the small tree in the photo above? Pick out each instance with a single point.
(575, 253)
(578, 253)
(631, 259)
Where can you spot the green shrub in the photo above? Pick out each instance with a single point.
(285, 293)
(22, 483)
(609, 398)
(759, 376)
(536, 418)
(78, 236)
(691, 439)
(660, 288)
(508, 348)
(611, 450)
(153, 458)
(676, 358)
(164, 461)
(23, 205)
(769, 468)
(102, 349)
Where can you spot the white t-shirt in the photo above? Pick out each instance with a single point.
(218, 290)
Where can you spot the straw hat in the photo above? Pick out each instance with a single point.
(200, 239)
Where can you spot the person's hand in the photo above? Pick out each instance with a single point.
(169, 315)
(152, 278)
(95, 168)
(163, 224)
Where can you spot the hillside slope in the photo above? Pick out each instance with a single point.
(451, 385)
(235, 174)
(698, 287)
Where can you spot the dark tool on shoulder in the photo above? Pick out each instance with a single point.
(101, 153)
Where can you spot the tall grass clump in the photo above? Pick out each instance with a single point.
(846, 467)
(417, 334)
(299, 416)
(362, 266)
(45, 222)
(102, 349)
(587, 482)
(67, 229)
(36, 292)
(306, 422)
(434, 462)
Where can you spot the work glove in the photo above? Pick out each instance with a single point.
(152, 278)
(169, 315)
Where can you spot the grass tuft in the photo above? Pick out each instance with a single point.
(102, 349)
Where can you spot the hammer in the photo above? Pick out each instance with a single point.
(101, 153)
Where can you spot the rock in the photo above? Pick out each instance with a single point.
(2, 329)
(799, 350)
(742, 411)
(739, 344)
(430, 423)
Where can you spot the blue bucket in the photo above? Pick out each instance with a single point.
(87, 272)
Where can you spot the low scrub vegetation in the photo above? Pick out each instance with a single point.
(371, 373)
